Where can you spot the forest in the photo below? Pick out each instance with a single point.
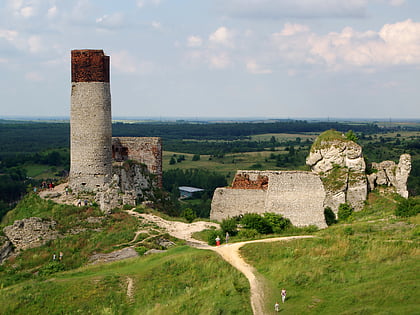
(31, 152)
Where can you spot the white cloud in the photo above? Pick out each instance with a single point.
(222, 36)
(396, 3)
(156, 25)
(292, 29)
(274, 9)
(254, 68)
(9, 35)
(194, 41)
(52, 12)
(394, 44)
(27, 11)
(219, 61)
(114, 20)
(124, 62)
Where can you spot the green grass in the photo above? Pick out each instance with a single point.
(367, 267)
(175, 282)
(41, 171)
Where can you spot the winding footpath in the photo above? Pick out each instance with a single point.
(229, 252)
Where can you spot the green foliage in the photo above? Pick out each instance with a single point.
(350, 135)
(408, 207)
(189, 215)
(196, 157)
(329, 216)
(256, 222)
(277, 222)
(193, 177)
(230, 226)
(50, 268)
(211, 236)
(247, 234)
(344, 212)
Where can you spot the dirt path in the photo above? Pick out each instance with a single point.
(229, 252)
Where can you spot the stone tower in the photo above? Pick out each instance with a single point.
(90, 121)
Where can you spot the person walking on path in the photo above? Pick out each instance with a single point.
(217, 240)
(227, 237)
(277, 307)
(283, 295)
(60, 257)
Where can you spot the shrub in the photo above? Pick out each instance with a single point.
(277, 221)
(257, 222)
(329, 216)
(247, 233)
(50, 268)
(141, 250)
(348, 230)
(408, 207)
(189, 215)
(344, 211)
(230, 226)
(211, 237)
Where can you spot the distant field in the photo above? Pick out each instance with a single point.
(40, 171)
(285, 136)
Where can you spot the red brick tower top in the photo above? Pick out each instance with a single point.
(89, 65)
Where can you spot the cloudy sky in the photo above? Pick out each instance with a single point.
(218, 58)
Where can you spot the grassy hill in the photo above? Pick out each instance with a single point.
(367, 265)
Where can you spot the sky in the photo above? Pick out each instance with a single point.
(217, 58)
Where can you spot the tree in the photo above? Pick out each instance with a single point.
(172, 161)
(350, 135)
(196, 157)
(408, 207)
(344, 211)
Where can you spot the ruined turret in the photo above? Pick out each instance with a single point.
(90, 122)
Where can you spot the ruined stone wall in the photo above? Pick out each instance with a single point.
(146, 150)
(297, 195)
(90, 122)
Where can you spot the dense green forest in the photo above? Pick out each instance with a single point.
(25, 146)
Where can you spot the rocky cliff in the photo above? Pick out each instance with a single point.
(340, 164)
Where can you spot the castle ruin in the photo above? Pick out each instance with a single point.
(117, 170)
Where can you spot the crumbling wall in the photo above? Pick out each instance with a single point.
(145, 150)
(297, 195)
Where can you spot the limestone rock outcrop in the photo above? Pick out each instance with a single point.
(388, 173)
(31, 232)
(6, 248)
(340, 164)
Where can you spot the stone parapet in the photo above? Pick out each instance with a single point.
(89, 66)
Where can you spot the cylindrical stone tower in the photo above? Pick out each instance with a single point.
(90, 121)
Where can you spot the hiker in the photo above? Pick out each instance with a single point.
(227, 237)
(54, 257)
(217, 240)
(283, 295)
(60, 257)
(79, 202)
(67, 191)
(277, 307)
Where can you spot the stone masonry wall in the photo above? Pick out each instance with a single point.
(90, 123)
(146, 150)
(297, 195)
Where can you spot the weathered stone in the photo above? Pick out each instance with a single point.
(6, 248)
(121, 254)
(388, 173)
(31, 232)
(340, 164)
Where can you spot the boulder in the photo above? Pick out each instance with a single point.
(6, 248)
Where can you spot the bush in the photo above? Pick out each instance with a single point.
(230, 226)
(211, 237)
(51, 268)
(344, 211)
(189, 215)
(277, 221)
(408, 207)
(329, 216)
(257, 222)
(247, 233)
